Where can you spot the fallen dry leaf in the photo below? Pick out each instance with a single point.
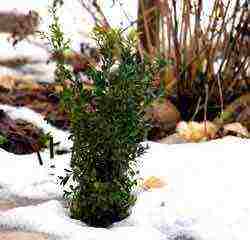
(237, 128)
(7, 82)
(153, 182)
(195, 131)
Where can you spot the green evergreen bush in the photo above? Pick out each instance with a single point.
(107, 125)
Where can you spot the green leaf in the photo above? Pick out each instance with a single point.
(3, 139)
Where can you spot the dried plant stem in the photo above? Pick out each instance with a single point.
(39, 158)
(197, 108)
(220, 93)
(102, 20)
(146, 33)
(205, 108)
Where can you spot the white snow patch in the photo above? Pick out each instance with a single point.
(52, 218)
(206, 196)
(22, 175)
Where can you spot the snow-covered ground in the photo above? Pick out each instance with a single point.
(206, 196)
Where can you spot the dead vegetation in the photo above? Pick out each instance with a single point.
(19, 25)
(210, 60)
(208, 52)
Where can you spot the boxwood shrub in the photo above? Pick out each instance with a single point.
(107, 124)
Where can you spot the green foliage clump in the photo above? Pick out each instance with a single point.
(107, 126)
(3, 139)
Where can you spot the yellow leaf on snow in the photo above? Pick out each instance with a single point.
(153, 182)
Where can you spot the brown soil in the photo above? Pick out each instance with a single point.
(18, 235)
(20, 137)
(6, 205)
(42, 98)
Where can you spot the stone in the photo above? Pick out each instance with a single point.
(163, 116)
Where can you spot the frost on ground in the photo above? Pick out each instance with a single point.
(206, 196)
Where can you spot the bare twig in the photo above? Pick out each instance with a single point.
(99, 20)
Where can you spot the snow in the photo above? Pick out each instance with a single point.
(22, 175)
(206, 196)
(51, 217)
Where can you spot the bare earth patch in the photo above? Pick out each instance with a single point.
(16, 235)
(6, 205)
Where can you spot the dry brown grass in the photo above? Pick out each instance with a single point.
(210, 62)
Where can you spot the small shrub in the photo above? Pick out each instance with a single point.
(107, 125)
